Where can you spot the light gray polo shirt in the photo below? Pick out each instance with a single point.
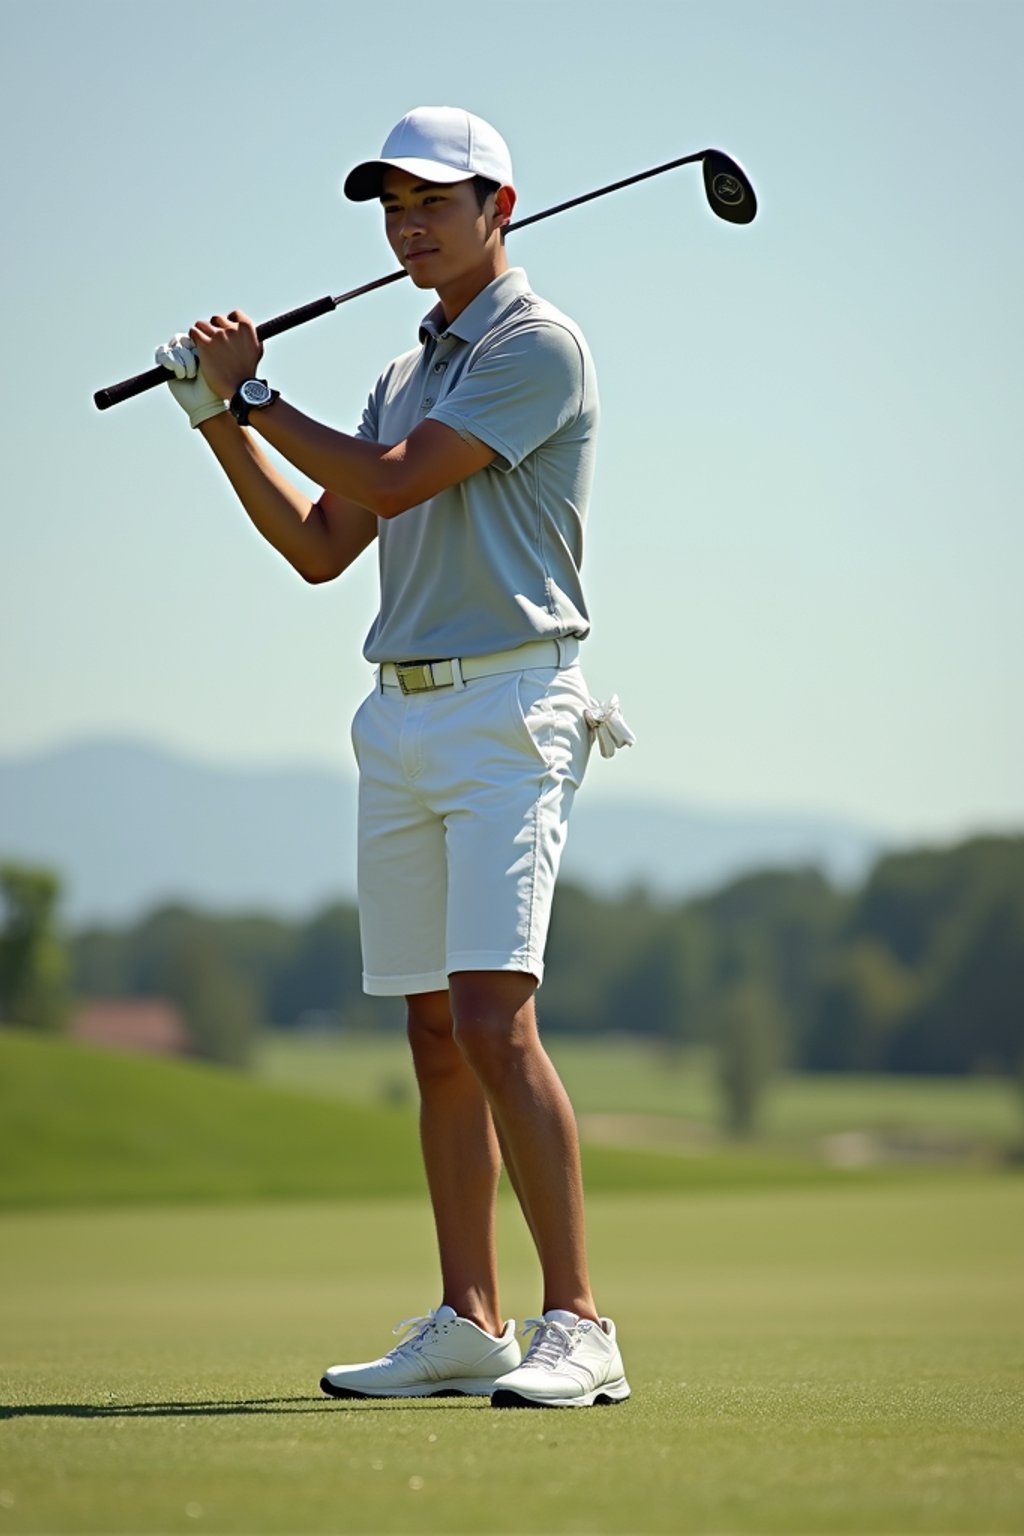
(494, 562)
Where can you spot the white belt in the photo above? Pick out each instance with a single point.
(425, 676)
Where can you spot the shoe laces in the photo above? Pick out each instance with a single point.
(415, 1330)
(550, 1344)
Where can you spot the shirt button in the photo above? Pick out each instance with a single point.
(428, 402)
(440, 367)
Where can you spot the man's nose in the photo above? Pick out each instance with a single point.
(412, 223)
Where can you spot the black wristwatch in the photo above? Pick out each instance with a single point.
(253, 395)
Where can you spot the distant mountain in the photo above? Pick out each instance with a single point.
(680, 850)
(130, 825)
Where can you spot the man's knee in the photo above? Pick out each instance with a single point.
(429, 1028)
(494, 1024)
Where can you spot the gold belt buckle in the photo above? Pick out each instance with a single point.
(415, 676)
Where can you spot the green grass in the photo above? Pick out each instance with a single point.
(634, 1077)
(93, 1127)
(811, 1351)
(803, 1361)
(81, 1125)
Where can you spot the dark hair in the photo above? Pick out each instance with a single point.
(484, 188)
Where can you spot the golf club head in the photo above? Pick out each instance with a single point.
(729, 193)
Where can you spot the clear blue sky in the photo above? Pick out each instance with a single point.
(805, 552)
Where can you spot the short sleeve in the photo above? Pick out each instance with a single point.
(368, 428)
(524, 386)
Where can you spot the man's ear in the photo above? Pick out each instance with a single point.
(504, 202)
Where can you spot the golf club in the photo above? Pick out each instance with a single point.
(726, 186)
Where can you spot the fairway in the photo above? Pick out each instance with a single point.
(847, 1359)
(635, 1076)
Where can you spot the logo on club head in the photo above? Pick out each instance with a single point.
(727, 189)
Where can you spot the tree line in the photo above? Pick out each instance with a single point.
(921, 969)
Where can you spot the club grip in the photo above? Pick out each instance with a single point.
(115, 393)
(128, 388)
(294, 317)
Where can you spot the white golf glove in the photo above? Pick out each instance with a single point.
(188, 386)
(607, 724)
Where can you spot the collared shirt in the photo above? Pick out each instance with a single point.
(494, 562)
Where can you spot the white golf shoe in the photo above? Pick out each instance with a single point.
(571, 1363)
(441, 1355)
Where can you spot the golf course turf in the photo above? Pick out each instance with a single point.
(801, 1362)
(809, 1351)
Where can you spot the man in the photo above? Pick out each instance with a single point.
(471, 469)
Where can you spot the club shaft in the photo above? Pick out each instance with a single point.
(614, 186)
(127, 389)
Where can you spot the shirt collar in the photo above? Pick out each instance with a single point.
(479, 315)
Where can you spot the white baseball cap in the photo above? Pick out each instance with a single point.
(443, 144)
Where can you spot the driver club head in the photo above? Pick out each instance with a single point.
(729, 193)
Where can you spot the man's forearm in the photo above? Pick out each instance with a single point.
(285, 517)
(374, 476)
(367, 473)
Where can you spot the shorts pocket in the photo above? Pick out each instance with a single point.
(533, 717)
(355, 729)
(549, 706)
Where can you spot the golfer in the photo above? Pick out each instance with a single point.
(471, 471)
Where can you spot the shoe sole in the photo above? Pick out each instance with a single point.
(505, 1397)
(425, 1391)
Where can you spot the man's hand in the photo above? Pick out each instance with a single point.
(189, 386)
(229, 351)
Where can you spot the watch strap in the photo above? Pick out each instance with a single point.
(240, 407)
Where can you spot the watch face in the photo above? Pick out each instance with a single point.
(254, 392)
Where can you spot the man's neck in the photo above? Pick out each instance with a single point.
(456, 296)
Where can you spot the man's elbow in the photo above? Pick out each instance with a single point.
(317, 578)
(390, 500)
(320, 568)
(395, 488)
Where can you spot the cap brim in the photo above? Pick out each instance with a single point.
(364, 182)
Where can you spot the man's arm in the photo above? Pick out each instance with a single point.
(319, 539)
(386, 480)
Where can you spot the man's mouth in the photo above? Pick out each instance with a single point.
(420, 251)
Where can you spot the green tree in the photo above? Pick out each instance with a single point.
(777, 926)
(749, 1034)
(101, 962)
(594, 940)
(183, 955)
(928, 972)
(323, 974)
(34, 965)
(665, 990)
(865, 997)
(971, 1017)
(219, 1005)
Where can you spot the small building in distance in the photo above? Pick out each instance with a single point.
(150, 1024)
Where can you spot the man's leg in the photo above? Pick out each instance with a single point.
(573, 1359)
(495, 1029)
(464, 1345)
(462, 1161)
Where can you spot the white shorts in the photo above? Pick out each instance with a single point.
(464, 800)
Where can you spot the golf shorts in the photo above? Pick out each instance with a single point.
(464, 800)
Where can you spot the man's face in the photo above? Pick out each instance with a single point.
(438, 231)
